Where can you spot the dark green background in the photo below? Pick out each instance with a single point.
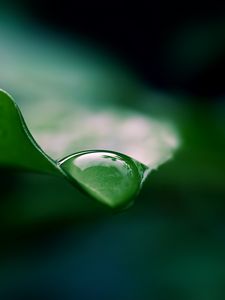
(170, 244)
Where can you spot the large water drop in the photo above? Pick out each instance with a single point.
(112, 178)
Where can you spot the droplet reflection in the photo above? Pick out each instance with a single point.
(112, 178)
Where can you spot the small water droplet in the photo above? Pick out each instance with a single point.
(110, 177)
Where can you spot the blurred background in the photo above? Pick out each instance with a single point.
(171, 243)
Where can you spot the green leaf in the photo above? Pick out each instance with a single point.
(71, 99)
(18, 148)
(110, 177)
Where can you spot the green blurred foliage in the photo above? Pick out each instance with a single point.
(169, 245)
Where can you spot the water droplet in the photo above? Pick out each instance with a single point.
(110, 177)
